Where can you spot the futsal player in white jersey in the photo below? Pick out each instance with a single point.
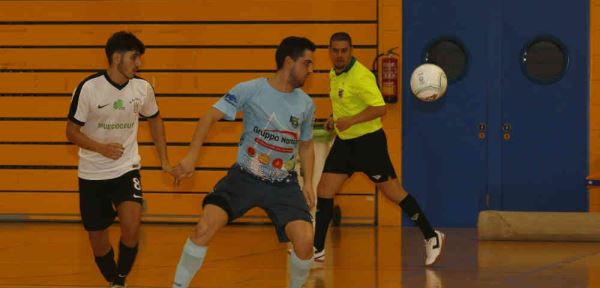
(103, 122)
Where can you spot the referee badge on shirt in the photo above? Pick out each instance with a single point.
(341, 93)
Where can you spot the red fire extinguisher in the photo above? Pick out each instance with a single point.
(389, 75)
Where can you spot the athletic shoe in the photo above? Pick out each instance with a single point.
(433, 247)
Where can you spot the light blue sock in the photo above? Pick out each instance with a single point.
(190, 262)
(299, 270)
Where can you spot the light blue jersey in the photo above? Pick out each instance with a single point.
(274, 122)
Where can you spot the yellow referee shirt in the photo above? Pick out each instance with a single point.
(351, 92)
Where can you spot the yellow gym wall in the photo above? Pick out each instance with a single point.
(197, 50)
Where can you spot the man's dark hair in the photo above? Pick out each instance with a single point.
(293, 47)
(123, 41)
(340, 36)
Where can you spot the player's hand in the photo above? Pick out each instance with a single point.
(166, 167)
(329, 124)
(343, 123)
(309, 194)
(113, 151)
(185, 169)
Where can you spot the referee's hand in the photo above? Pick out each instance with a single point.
(343, 123)
(329, 124)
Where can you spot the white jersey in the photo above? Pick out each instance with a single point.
(109, 113)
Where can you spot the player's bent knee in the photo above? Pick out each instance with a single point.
(323, 192)
(96, 235)
(392, 190)
(202, 229)
(304, 248)
(303, 245)
(129, 237)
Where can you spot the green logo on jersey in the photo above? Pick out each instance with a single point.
(111, 126)
(118, 105)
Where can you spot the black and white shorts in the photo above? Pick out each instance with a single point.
(98, 199)
(367, 154)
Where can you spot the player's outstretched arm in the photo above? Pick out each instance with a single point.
(186, 167)
(157, 130)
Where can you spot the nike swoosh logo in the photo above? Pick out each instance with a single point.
(102, 106)
(137, 196)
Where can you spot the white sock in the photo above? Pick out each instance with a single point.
(299, 270)
(190, 262)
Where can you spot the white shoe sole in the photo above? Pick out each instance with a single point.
(320, 258)
(442, 243)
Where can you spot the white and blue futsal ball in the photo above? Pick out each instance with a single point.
(428, 82)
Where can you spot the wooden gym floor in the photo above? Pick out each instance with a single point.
(57, 255)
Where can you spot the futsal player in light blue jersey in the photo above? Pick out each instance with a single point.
(278, 119)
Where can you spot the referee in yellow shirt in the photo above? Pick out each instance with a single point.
(361, 146)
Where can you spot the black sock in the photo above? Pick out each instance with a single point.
(107, 265)
(126, 259)
(411, 208)
(323, 218)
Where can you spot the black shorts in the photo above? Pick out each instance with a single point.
(367, 154)
(98, 198)
(239, 191)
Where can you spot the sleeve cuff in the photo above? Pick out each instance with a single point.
(72, 118)
(151, 116)
(229, 113)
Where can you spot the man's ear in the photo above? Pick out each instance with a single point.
(288, 61)
(117, 57)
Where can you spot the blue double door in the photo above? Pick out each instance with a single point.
(511, 131)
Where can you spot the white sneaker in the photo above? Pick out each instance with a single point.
(433, 247)
(319, 256)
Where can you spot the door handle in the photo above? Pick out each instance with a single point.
(482, 131)
(506, 129)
